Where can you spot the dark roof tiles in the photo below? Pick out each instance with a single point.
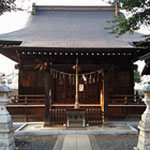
(69, 29)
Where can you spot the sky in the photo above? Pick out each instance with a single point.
(8, 23)
(16, 20)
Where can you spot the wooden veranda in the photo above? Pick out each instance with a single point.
(32, 108)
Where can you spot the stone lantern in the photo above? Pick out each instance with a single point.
(6, 125)
(144, 125)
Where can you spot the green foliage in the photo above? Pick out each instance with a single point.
(7, 5)
(138, 13)
(18, 148)
(137, 76)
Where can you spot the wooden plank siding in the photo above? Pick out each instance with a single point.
(92, 116)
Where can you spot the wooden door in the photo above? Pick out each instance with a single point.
(89, 90)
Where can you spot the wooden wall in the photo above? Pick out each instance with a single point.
(120, 83)
(32, 82)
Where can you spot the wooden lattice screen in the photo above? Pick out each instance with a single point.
(93, 116)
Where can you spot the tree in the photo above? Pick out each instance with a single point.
(137, 77)
(137, 14)
(7, 5)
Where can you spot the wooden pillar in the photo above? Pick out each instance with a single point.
(105, 105)
(20, 72)
(131, 78)
(48, 93)
(20, 82)
(77, 86)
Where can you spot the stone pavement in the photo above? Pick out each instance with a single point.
(76, 142)
(36, 128)
(95, 142)
(89, 138)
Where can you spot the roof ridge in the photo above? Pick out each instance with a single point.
(72, 8)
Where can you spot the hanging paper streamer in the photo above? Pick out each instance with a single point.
(91, 77)
(63, 75)
(84, 78)
(94, 78)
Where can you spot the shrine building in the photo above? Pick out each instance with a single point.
(68, 62)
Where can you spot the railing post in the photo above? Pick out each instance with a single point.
(126, 103)
(26, 102)
(144, 125)
(6, 125)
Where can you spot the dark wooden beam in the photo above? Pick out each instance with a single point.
(131, 78)
(48, 93)
(8, 43)
(74, 50)
(69, 52)
(105, 78)
(19, 59)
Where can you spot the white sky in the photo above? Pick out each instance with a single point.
(16, 20)
(10, 22)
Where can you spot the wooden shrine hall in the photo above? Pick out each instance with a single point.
(65, 55)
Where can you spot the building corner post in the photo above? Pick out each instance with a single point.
(105, 105)
(47, 94)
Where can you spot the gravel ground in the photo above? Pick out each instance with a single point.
(117, 142)
(105, 142)
(35, 142)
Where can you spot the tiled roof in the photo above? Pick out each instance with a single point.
(69, 29)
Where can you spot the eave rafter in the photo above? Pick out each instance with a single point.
(9, 43)
(134, 53)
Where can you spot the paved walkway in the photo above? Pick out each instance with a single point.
(75, 142)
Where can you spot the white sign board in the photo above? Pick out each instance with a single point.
(81, 87)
